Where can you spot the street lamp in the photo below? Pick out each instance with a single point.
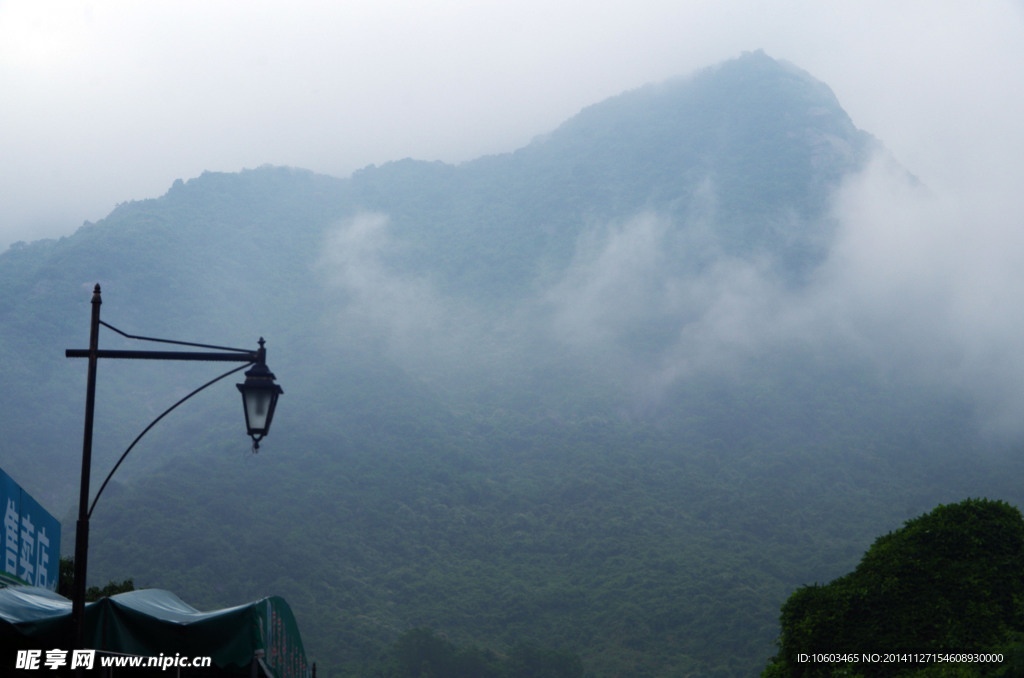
(259, 398)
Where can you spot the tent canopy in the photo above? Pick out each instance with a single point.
(152, 622)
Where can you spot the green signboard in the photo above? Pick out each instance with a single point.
(31, 536)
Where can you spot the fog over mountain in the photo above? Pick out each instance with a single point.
(910, 282)
(108, 102)
(925, 283)
(616, 392)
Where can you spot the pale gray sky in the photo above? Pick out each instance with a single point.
(105, 101)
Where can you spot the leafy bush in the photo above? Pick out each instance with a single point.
(947, 582)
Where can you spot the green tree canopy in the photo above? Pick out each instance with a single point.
(949, 581)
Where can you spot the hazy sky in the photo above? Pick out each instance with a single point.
(106, 101)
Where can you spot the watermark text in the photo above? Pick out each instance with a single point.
(86, 659)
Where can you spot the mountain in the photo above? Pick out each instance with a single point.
(566, 396)
(759, 131)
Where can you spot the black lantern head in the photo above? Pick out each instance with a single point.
(259, 398)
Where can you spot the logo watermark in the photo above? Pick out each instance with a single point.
(86, 659)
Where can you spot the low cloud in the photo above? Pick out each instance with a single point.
(404, 315)
(931, 285)
(919, 287)
(404, 311)
(625, 300)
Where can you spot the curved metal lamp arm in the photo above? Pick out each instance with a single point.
(154, 423)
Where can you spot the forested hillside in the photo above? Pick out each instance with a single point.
(598, 396)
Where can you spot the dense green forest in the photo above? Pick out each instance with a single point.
(421, 652)
(563, 402)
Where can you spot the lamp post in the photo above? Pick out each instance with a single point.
(259, 398)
